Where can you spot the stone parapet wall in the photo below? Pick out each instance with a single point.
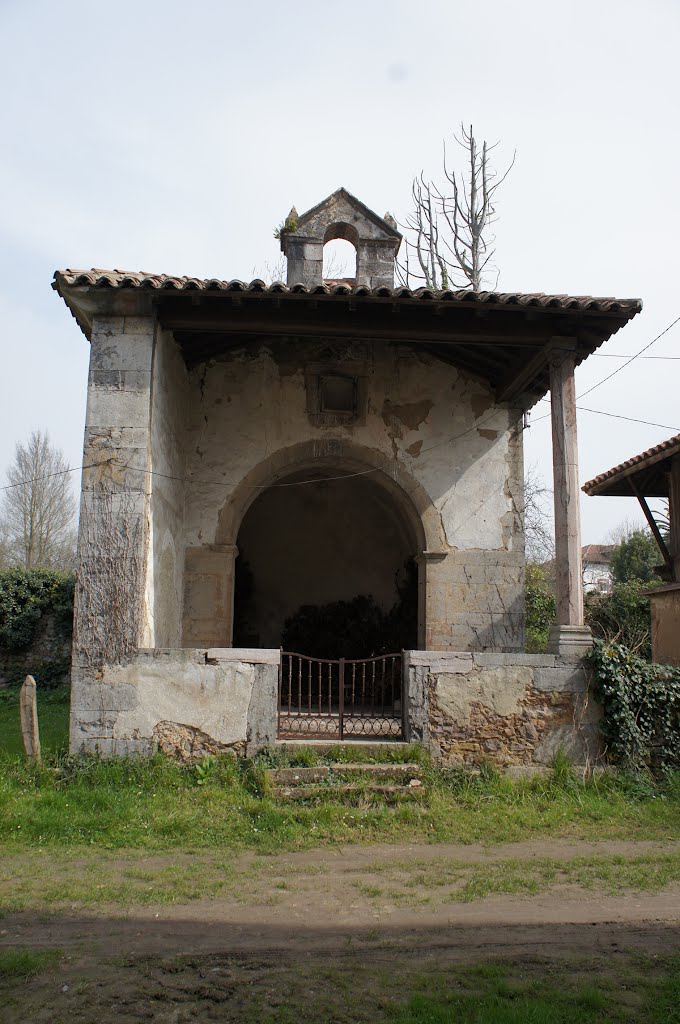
(209, 701)
(507, 709)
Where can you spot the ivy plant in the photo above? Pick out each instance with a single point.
(641, 703)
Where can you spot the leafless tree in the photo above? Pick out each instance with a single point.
(450, 244)
(38, 509)
(538, 522)
(335, 267)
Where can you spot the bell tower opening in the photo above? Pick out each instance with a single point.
(313, 244)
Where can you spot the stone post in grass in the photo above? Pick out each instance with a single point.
(28, 707)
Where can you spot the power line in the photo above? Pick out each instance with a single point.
(613, 415)
(312, 480)
(60, 472)
(632, 359)
(612, 355)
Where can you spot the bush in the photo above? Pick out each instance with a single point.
(24, 596)
(540, 609)
(622, 617)
(641, 703)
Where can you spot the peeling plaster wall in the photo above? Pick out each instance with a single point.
(440, 426)
(247, 406)
(165, 566)
(509, 709)
(230, 696)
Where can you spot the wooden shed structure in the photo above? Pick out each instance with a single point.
(655, 473)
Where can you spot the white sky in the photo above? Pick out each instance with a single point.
(174, 137)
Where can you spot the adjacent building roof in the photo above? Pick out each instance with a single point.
(597, 554)
(648, 473)
(504, 338)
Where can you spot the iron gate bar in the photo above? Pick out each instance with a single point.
(367, 702)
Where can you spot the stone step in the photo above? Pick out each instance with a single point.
(349, 790)
(376, 750)
(398, 773)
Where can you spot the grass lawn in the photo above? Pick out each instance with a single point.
(53, 710)
(156, 804)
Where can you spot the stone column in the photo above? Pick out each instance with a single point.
(569, 635)
(305, 261)
(209, 575)
(113, 535)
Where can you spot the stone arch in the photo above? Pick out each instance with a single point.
(347, 457)
(334, 456)
(341, 229)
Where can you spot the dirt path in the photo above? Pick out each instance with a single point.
(349, 935)
(397, 895)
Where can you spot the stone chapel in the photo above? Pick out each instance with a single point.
(328, 464)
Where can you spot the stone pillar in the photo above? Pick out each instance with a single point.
(305, 261)
(375, 263)
(569, 635)
(113, 535)
(208, 617)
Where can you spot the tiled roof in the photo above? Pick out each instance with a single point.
(597, 554)
(657, 453)
(165, 282)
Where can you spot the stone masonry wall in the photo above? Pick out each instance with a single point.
(507, 709)
(215, 700)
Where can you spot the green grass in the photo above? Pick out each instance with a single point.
(155, 804)
(23, 963)
(48, 879)
(53, 712)
(649, 993)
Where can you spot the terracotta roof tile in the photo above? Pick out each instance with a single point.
(668, 447)
(166, 282)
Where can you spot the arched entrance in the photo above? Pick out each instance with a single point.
(333, 541)
(326, 567)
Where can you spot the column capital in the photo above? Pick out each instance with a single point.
(559, 349)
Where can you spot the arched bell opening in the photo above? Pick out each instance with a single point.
(340, 248)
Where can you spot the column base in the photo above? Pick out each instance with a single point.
(570, 640)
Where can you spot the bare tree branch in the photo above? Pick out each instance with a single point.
(459, 255)
(38, 510)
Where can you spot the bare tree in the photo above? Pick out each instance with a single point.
(538, 522)
(450, 244)
(38, 508)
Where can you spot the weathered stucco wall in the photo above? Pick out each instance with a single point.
(228, 696)
(508, 709)
(168, 436)
(421, 422)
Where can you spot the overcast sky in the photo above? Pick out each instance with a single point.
(174, 137)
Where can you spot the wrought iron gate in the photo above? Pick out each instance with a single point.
(325, 698)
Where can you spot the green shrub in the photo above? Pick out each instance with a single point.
(540, 609)
(641, 704)
(622, 617)
(24, 596)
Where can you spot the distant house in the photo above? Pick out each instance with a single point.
(597, 574)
